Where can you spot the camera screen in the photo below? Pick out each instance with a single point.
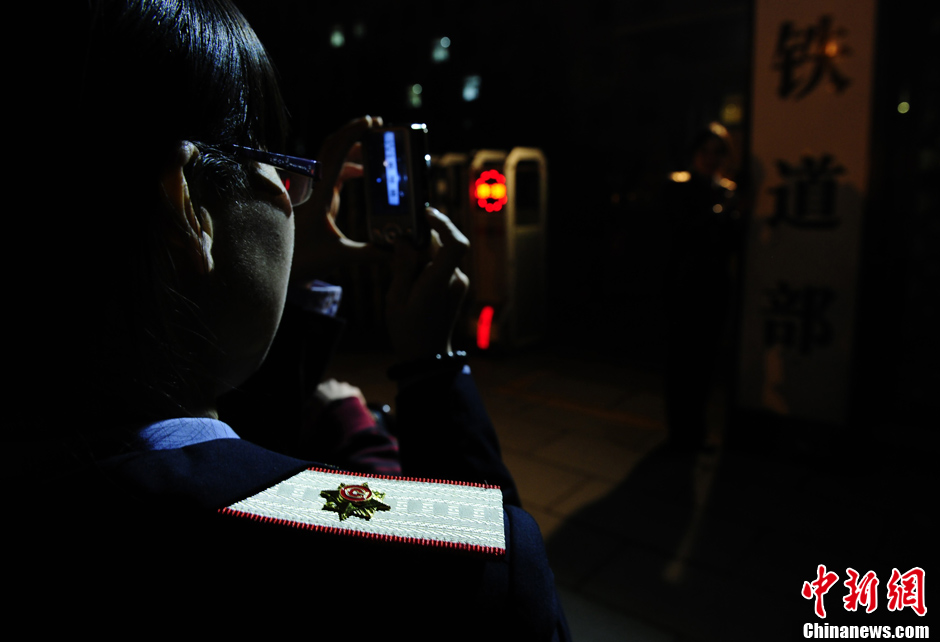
(395, 198)
(391, 169)
(387, 157)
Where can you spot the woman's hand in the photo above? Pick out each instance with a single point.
(332, 390)
(320, 245)
(426, 293)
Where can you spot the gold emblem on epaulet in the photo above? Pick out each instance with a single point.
(354, 499)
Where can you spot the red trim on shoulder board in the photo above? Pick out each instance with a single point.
(463, 516)
(488, 551)
(427, 480)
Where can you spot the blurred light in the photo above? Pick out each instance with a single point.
(732, 110)
(718, 129)
(680, 177)
(832, 48)
(718, 209)
(484, 325)
(904, 107)
(489, 191)
(728, 184)
(414, 95)
(440, 51)
(337, 39)
(359, 30)
(731, 114)
(471, 88)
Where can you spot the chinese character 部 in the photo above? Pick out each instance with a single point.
(796, 317)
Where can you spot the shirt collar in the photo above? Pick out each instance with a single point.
(185, 431)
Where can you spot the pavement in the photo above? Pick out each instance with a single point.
(651, 545)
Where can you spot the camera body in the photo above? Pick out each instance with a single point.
(396, 166)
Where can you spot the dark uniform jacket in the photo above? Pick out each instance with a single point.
(136, 544)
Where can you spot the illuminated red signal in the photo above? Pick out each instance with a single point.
(484, 325)
(489, 191)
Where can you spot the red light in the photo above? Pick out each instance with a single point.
(489, 191)
(484, 323)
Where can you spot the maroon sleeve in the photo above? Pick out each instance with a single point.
(346, 435)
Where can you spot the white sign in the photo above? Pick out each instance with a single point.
(811, 122)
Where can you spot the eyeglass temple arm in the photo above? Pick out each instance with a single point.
(294, 164)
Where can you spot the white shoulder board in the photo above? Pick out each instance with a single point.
(446, 514)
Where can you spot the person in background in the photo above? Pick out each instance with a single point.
(704, 231)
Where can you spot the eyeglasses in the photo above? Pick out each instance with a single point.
(297, 174)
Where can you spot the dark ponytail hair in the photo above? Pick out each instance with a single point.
(158, 71)
(106, 325)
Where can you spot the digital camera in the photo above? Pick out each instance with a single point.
(396, 166)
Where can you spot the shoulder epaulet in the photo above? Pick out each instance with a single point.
(458, 515)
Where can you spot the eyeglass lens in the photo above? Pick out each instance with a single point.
(299, 187)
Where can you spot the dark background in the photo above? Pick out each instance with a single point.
(612, 92)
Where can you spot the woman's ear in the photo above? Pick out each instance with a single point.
(192, 220)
